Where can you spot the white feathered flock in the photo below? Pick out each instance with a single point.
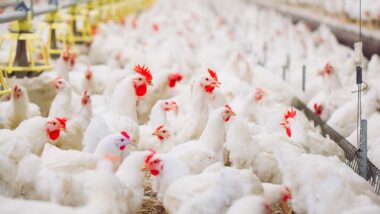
(178, 92)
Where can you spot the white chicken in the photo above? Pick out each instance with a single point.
(18, 108)
(40, 131)
(185, 189)
(250, 204)
(61, 105)
(110, 147)
(245, 153)
(313, 176)
(73, 136)
(131, 174)
(165, 169)
(208, 149)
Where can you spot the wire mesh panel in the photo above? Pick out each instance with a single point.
(351, 152)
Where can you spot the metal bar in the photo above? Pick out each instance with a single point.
(20, 15)
(363, 149)
(304, 78)
(352, 154)
(15, 16)
(45, 9)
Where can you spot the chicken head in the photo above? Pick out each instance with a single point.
(173, 78)
(17, 92)
(86, 98)
(169, 106)
(210, 82)
(53, 127)
(228, 113)
(59, 83)
(142, 80)
(161, 133)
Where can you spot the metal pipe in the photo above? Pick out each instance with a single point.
(45, 9)
(20, 15)
(15, 16)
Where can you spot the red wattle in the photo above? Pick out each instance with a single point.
(288, 132)
(141, 90)
(172, 83)
(154, 172)
(54, 135)
(122, 147)
(209, 89)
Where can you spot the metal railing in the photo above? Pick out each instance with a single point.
(351, 152)
(53, 6)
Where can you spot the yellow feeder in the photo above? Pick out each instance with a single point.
(59, 34)
(28, 56)
(79, 21)
(4, 88)
(94, 15)
(105, 10)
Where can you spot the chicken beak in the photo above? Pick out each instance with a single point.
(233, 113)
(174, 106)
(215, 84)
(149, 83)
(145, 167)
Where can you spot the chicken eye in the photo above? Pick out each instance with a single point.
(207, 79)
(122, 139)
(54, 123)
(166, 103)
(164, 131)
(140, 79)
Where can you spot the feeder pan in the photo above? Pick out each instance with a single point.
(105, 10)
(94, 15)
(59, 34)
(28, 56)
(79, 21)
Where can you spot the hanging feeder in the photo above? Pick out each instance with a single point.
(106, 10)
(79, 21)
(59, 34)
(94, 16)
(28, 56)
(117, 12)
(4, 88)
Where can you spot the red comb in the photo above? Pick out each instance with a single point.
(159, 128)
(213, 75)
(62, 121)
(175, 76)
(15, 88)
(150, 156)
(88, 73)
(228, 107)
(125, 134)
(290, 114)
(144, 71)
